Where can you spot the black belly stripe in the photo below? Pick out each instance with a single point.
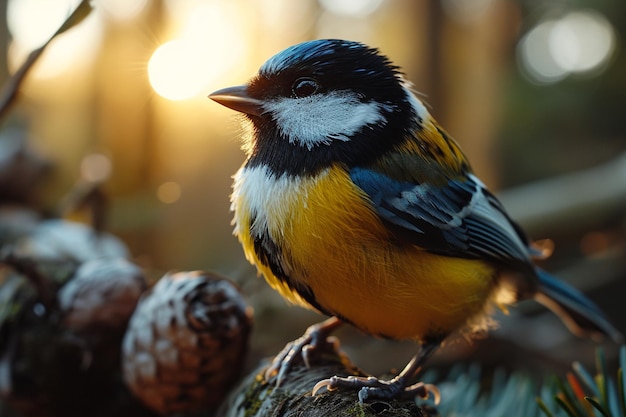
(270, 255)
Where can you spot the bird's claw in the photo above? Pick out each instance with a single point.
(371, 388)
(424, 391)
(313, 341)
(335, 382)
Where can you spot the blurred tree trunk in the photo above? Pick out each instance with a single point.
(125, 125)
(4, 34)
(470, 54)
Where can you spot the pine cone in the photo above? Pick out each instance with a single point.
(102, 295)
(42, 365)
(68, 240)
(186, 342)
(60, 348)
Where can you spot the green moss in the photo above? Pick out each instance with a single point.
(252, 397)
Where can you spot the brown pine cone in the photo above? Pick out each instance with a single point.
(186, 342)
(101, 295)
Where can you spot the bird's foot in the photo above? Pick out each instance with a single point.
(371, 388)
(314, 341)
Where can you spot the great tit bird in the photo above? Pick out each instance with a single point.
(354, 202)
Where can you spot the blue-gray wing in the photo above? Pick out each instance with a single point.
(461, 218)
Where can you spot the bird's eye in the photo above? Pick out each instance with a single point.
(304, 87)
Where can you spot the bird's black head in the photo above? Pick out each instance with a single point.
(323, 102)
(328, 66)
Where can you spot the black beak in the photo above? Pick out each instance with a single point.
(237, 98)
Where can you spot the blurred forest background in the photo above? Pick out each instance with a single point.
(534, 91)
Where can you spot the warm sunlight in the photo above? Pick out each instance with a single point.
(122, 9)
(32, 22)
(177, 71)
(209, 46)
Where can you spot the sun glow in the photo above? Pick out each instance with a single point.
(209, 46)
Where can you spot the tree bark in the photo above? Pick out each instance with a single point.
(254, 397)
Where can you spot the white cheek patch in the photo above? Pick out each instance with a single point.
(321, 118)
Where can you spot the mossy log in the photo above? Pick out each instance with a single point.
(255, 397)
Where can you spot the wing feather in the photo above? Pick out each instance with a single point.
(459, 218)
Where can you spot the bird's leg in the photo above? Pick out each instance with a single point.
(315, 339)
(371, 388)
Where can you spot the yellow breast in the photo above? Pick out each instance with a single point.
(332, 242)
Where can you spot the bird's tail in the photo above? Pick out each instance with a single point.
(579, 314)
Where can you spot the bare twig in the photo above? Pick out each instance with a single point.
(90, 195)
(10, 90)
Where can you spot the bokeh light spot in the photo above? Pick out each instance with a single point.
(595, 243)
(95, 167)
(582, 41)
(351, 8)
(579, 42)
(535, 55)
(169, 192)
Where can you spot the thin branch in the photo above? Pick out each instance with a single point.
(579, 200)
(10, 90)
